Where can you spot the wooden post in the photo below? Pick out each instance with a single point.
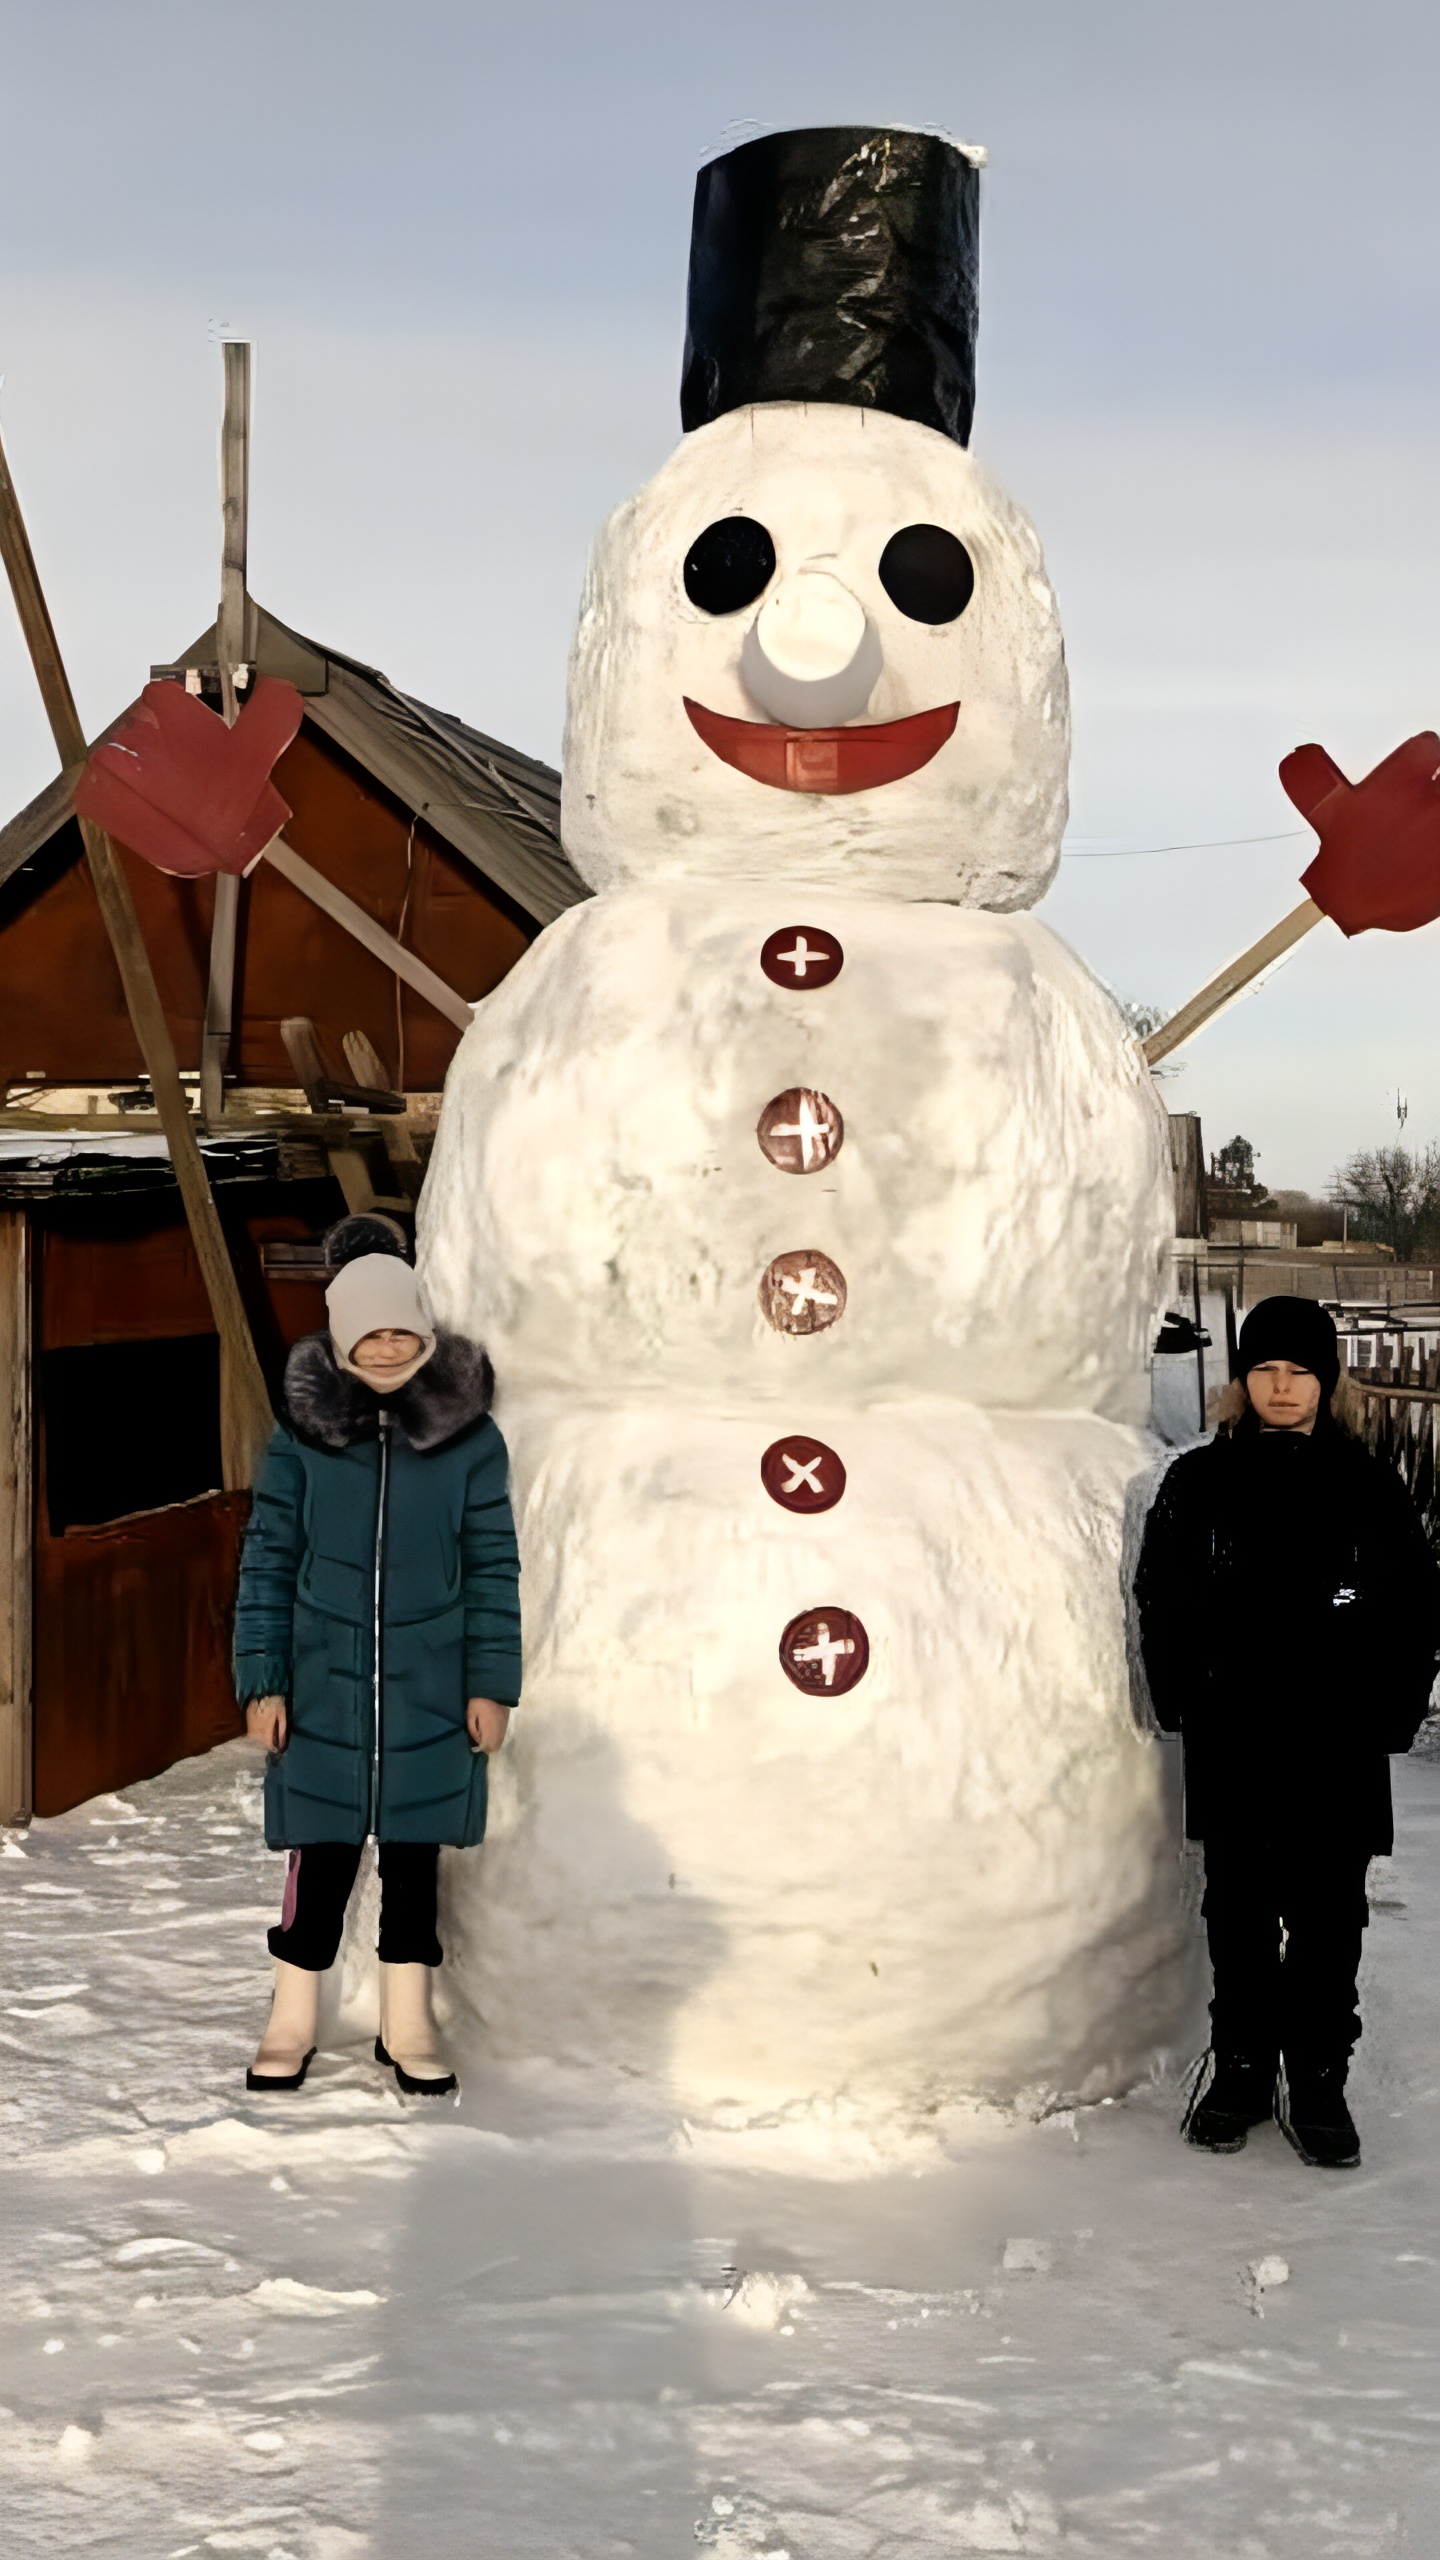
(17, 1498)
(365, 1066)
(234, 647)
(231, 649)
(1199, 1329)
(1187, 1163)
(219, 997)
(246, 1420)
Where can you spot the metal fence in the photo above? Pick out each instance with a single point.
(1399, 1419)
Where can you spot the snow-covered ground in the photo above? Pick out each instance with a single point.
(546, 2321)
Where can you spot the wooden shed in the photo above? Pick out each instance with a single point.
(322, 1071)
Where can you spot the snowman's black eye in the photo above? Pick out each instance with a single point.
(927, 573)
(732, 563)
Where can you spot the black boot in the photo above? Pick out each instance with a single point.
(1238, 2092)
(1314, 2117)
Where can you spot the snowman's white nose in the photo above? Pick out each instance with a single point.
(812, 655)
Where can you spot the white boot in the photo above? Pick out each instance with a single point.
(287, 2048)
(409, 2039)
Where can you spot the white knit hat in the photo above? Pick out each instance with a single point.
(377, 1292)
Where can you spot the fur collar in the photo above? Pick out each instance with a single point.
(329, 1409)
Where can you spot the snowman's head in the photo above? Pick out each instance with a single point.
(819, 647)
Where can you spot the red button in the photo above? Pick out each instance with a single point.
(801, 1130)
(800, 955)
(801, 1474)
(825, 1651)
(802, 1292)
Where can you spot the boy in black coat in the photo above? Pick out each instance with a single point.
(1290, 1625)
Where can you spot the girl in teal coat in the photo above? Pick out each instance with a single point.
(377, 1640)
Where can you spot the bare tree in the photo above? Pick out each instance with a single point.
(1393, 1197)
(1142, 1018)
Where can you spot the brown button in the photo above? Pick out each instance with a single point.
(801, 956)
(802, 1474)
(825, 1651)
(802, 1292)
(801, 1130)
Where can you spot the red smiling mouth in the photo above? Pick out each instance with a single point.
(830, 760)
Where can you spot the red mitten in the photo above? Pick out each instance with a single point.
(1379, 857)
(186, 792)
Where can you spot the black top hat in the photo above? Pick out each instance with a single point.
(837, 263)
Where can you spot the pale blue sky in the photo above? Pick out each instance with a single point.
(457, 235)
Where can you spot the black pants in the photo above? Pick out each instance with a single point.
(317, 1888)
(1293, 1994)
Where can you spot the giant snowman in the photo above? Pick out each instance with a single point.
(813, 1205)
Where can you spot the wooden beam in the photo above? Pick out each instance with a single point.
(343, 911)
(17, 1512)
(351, 1171)
(302, 1048)
(367, 1068)
(366, 1064)
(1219, 991)
(1187, 1163)
(231, 646)
(219, 997)
(245, 1416)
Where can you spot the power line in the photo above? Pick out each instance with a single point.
(1081, 852)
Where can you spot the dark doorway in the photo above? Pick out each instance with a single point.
(129, 1426)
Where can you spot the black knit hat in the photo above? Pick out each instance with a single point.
(836, 263)
(1293, 1329)
(364, 1231)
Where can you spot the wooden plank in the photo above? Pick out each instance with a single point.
(1187, 1163)
(352, 1173)
(303, 1051)
(367, 1068)
(231, 640)
(326, 1092)
(246, 1420)
(1237, 974)
(219, 997)
(17, 1504)
(343, 911)
(132, 1649)
(231, 645)
(37, 626)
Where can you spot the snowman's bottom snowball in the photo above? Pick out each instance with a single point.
(960, 1878)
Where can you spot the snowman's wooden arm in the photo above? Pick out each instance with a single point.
(1229, 981)
(1378, 866)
